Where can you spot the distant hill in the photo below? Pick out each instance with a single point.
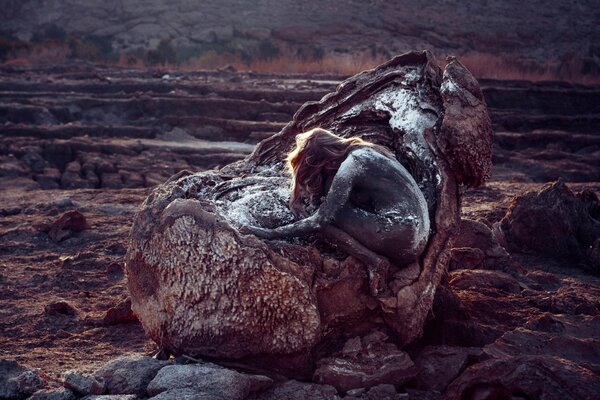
(535, 31)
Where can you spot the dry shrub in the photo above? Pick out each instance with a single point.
(42, 53)
(490, 66)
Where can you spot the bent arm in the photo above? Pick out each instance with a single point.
(336, 198)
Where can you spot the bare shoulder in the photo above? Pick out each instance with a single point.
(366, 155)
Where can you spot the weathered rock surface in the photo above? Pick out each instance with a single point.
(65, 225)
(200, 287)
(17, 381)
(475, 247)
(55, 394)
(83, 384)
(556, 222)
(366, 363)
(537, 377)
(294, 390)
(129, 375)
(206, 379)
(440, 365)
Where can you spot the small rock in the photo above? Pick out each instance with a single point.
(552, 221)
(440, 365)
(26, 383)
(119, 314)
(129, 375)
(111, 181)
(60, 308)
(49, 178)
(384, 391)
(376, 363)
(54, 394)
(414, 394)
(17, 381)
(115, 271)
(532, 377)
(111, 397)
(477, 279)
(186, 394)
(65, 225)
(8, 211)
(294, 390)
(83, 384)
(209, 378)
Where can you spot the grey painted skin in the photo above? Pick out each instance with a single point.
(373, 209)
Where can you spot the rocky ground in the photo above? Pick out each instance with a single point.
(81, 147)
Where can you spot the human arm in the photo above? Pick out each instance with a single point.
(337, 196)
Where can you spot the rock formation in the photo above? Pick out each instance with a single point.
(556, 222)
(201, 288)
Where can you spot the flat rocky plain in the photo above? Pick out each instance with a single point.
(96, 140)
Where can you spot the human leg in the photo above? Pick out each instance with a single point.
(377, 266)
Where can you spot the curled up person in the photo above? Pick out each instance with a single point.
(367, 204)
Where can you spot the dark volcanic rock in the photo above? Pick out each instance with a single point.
(120, 313)
(554, 221)
(207, 379)
(130, 374)
(366, 363)
(83, 384)
(294, 390)
(65, 225)
(252, 298)
(440, 365)
(535, 377)
(55, 394)
(475, 247)
(17, 381)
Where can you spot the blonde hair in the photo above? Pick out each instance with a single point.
(317, 156)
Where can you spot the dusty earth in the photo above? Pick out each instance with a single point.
(97, 140)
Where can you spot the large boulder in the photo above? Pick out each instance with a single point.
(202, 288)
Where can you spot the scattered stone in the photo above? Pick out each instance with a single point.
(49, 178)
(384, 391)
(17, 381)
(475, 247)
(111, 181)
(129, 375)
(532, 377)
(440, 365)
(555, 222)
(112, 397)
(557, 343)
(119, 314)
(53, 394)
(63, 227)
(366, 363)
(186, 394)
(83, 384)
(115, 271)
(207, 378)
(477, 279)
(294, 390)
(414, 394)
(8, 211)
(60, 308)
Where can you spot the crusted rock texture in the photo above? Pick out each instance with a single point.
(556, 222)
(200, 287)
